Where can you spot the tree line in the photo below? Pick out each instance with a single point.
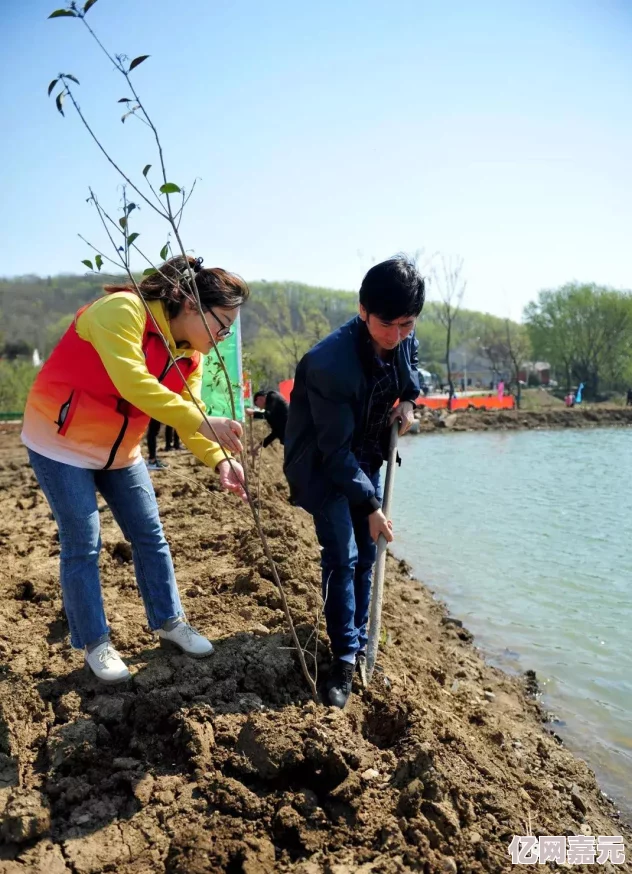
(583, 331)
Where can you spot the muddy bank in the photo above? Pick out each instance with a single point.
(514, 420)
(224, 764)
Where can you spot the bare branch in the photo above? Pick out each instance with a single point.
(178, 215)
(451, 286)
(114, 61)
(103, 151)
(99, 252)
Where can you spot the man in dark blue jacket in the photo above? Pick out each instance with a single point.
(335, 442)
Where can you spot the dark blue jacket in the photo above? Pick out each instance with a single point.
(328, 412)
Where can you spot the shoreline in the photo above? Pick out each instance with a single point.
(520, 420)
(225, 764)
(563, 729)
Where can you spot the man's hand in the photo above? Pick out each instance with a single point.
(231, 477)
(227, 433)
(250, 411)
(405, 413)
(379, 524)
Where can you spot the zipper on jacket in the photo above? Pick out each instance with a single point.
(121, 434)
(119, 439)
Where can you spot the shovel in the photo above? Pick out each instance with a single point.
(377, 592)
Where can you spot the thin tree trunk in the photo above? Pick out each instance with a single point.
(447, 364)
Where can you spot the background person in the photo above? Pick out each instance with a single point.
(172, 441)
(153, 462)
(272, 407)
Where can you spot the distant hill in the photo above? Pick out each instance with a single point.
(279, 323)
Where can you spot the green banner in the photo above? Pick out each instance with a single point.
(215, 393)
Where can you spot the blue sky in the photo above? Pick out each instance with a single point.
(329, 135)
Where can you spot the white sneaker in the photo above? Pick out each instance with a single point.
(106, 664)
(186, 640)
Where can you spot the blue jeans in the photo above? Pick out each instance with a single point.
(129, 493)
(347, 559)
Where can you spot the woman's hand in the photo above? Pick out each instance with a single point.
(231, 477)
(227, 432)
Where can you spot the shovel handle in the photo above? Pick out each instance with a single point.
(377, 591)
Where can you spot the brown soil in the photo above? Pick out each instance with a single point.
(514, 420)
(225, 764)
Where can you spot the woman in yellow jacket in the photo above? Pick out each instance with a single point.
(84, 421)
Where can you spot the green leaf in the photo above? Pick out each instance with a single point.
(146, 170)
(129, 208)
(137, 61)
(52, 85)
(149, 271)
(131, 238)
(63, 13)
(170, 188)
(164, 252)
(71, 77)
(123, 222)
(125, 100)
(88, 5)
(88, 264)
(98, 260)
(59, 100)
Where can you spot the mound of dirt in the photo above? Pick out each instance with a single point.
(515, 420)
(226, 764)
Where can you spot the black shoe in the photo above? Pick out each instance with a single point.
(361, 669)
(339, 683)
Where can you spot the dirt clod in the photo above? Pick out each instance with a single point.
(25, 817)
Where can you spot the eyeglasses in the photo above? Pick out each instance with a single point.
(226, 330)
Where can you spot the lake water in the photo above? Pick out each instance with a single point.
(527, 537)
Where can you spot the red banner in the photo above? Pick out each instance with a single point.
(438, 402)
(479, 402)
(285, 388)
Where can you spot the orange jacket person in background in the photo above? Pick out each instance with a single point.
(84, 421)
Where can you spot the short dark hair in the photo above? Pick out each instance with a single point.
(260, 394)
(393, 289)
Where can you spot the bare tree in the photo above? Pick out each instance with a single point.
(507, 346)
(518, 350)
(296, 327)
(492, 346)
(451, 288)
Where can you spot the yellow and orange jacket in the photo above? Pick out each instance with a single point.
(109, 374)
